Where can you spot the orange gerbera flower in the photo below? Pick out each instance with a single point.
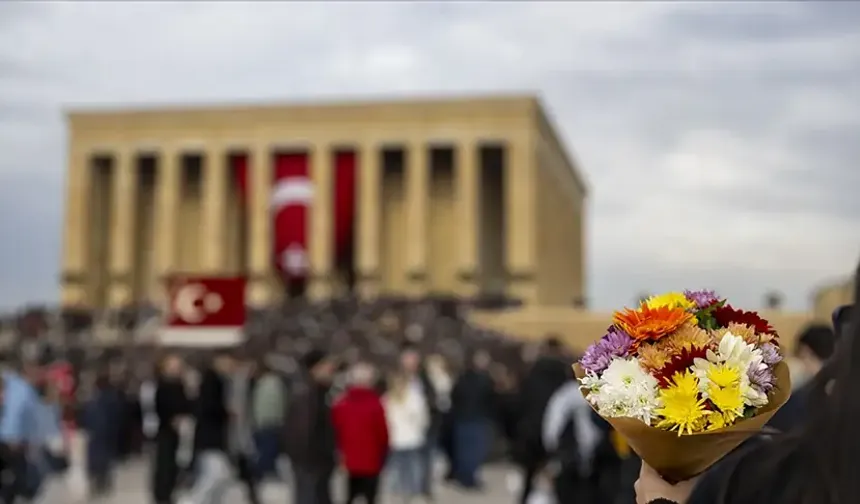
(650, 324)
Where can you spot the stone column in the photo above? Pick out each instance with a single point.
(76, 229)
(520, 172)
(168, 192)
(214, 210)
(260, 226)
(417, 207)
(369, 220)
(122, 228)
(468, 199)
(321, 225)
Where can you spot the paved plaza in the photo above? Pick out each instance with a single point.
(132, 480)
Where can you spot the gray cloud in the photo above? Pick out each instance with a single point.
(764, 23)
(719, 139)
(13, 14)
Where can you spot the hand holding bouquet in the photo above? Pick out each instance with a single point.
(685, 378)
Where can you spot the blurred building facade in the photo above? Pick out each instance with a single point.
(832, 296)
(470, 198)
(459, 197)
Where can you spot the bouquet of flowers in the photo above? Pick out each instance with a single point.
(685, 378)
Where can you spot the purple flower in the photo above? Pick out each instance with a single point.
(762, 379)
(770, 354)
(702, 298)
(616, 343)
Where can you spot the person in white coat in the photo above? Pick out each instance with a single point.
(408, 419)
(570, 437)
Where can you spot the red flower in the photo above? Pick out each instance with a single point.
(725, 315)
(680, 362)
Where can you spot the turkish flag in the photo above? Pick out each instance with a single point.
(292, 195)
(207, 302)
(205, 311)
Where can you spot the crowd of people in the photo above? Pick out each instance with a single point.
(384, 393)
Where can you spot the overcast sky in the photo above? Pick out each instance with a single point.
(721, 142)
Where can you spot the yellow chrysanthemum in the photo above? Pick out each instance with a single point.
(716, 421)
(723, 375)
(728, 400)
(670, 300)
(683, 410)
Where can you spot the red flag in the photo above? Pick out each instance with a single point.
(205, 311)
(291, 204)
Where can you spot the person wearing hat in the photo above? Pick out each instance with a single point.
(309, 438)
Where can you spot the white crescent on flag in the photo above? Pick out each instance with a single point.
(187, 299)
(296, 192)
(185, 302)
(292, 191)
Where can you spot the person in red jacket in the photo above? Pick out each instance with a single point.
(362, 434)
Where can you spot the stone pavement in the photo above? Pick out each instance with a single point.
(132, 479)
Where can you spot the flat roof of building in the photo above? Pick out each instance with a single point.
(334, 109)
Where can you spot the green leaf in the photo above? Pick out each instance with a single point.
(706, 316)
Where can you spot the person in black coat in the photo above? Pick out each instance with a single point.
(211, 415)
(211, 431)
(473, 409)
(507, 406)
(100, 415)
(814, 463)
(815, 346)
(842, 320)
(171, 406)
(309, 438)
(547, 375)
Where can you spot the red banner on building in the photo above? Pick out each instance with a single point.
(292, 196)
(344, 205)
(205, 311)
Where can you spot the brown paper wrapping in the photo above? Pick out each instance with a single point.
(679, 458)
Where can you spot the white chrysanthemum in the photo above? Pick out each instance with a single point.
(590, 382)
(624, 389)
(752, 396)
(735, 352)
